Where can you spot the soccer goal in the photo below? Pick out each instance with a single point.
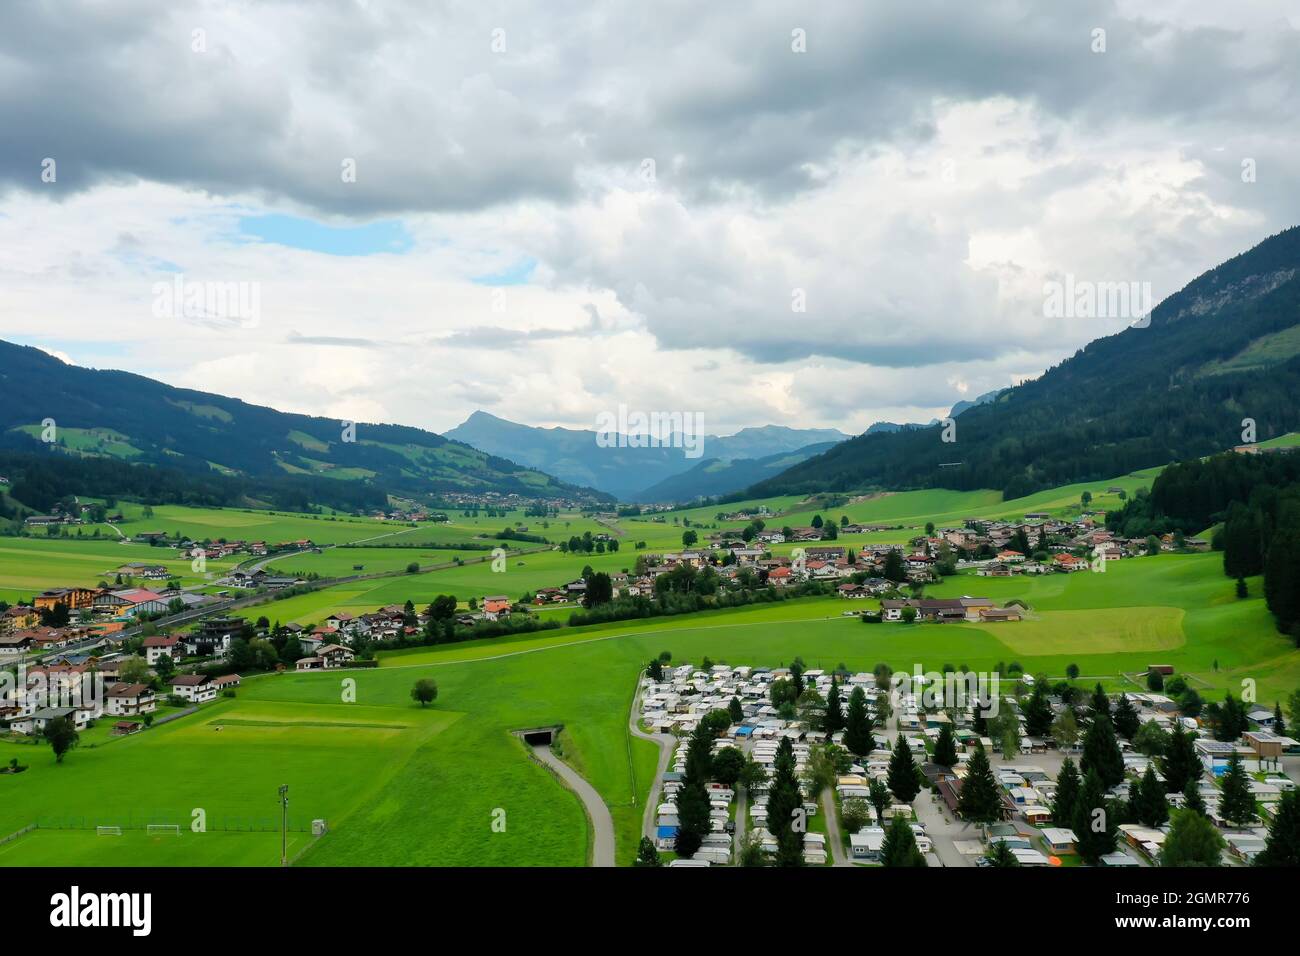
(167, 828)
(108, 831)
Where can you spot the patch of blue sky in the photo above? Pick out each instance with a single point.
(518, 273)
(297, 232)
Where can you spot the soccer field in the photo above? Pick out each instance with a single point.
(227, 762)
(141, 848)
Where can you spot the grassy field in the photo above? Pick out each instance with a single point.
(30, 565)
(227, 760)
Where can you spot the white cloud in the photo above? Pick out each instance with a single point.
(916, 176)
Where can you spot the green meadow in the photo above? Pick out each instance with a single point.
(30, 565)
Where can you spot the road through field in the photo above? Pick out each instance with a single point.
(602, 824)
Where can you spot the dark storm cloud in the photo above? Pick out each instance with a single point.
(436, 121)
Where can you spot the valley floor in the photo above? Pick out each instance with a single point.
(403, 785)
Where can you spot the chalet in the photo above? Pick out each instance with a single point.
(329, 657)
(195, 688)
(494, 606)
(34, 723)
(213, 636)
(138, 569)
(16, 643)
(128, 700)
(780, 577)
(155, 647)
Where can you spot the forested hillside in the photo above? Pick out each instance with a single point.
(1224, 349)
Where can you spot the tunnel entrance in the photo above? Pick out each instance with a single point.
(538, 736)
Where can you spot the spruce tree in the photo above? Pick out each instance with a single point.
(1283, 846)
(1125, 718)
(902, 772)
(1279, 723)
(858, 729)
(980, 799)
(693, 821)
(834, 719)
(785, 803)
(699, 755)
(735, 710)
(899, 848)
(1038, 713)
(1093, 826)
(1067, 794)
(1236, 804)
(1101, 752)
(1153, 809)
(1192, 798)
(945, 748)
(1181, 766)
(1100, 702)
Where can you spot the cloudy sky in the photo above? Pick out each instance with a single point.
(802, 214)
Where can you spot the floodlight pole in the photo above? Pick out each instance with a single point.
(284, 824)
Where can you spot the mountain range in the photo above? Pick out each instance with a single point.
(574, 455)
(1215, 365)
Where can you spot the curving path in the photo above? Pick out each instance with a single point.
(602, 824)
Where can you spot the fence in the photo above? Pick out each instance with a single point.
(142, 821)
(17, 833)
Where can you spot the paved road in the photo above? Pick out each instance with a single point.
(833, 836)
(667, 744)
(602, 824)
